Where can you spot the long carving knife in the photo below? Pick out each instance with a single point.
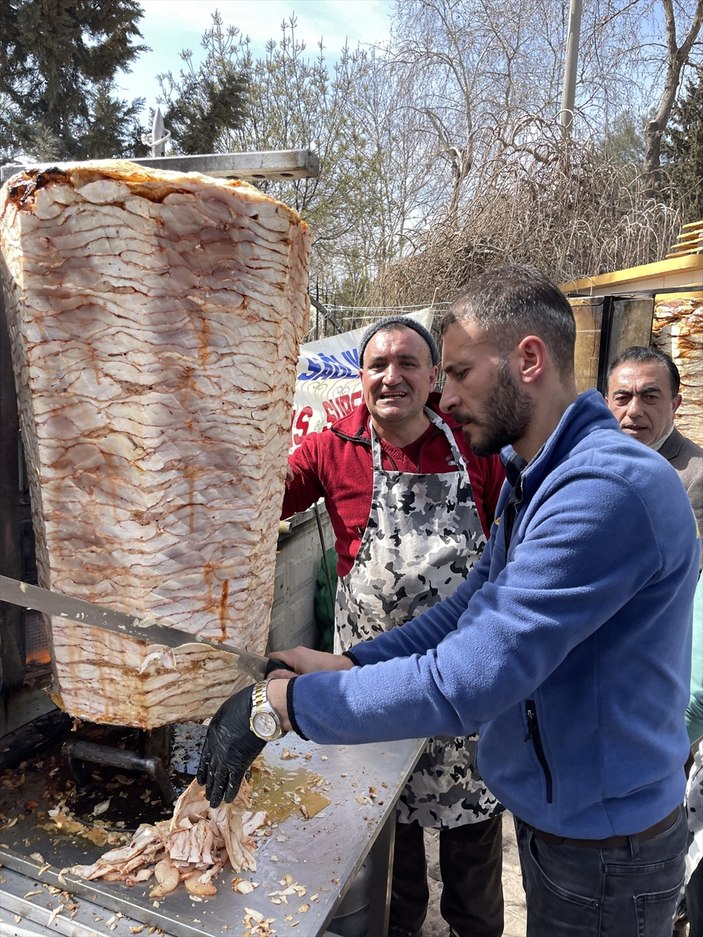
(142, 627)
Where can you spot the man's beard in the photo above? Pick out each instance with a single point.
(508, 417)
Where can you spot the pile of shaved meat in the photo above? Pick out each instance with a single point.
(192, 847)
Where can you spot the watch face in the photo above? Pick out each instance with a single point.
(264, 725)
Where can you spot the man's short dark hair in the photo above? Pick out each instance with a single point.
(640, 354)
(508, 303)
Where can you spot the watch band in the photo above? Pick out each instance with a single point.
(264, 721)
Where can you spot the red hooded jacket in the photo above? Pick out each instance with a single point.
(336, 465)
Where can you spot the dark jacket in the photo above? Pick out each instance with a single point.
(687, 458)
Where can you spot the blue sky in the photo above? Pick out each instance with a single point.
(171, 25)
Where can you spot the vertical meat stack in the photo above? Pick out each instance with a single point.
(155, 319)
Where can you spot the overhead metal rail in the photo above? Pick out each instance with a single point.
(278, 165)
(644, 293)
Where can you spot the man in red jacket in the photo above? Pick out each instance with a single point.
(411, 507)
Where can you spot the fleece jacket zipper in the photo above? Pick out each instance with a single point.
(533, 735)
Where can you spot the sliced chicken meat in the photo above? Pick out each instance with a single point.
(192, 847)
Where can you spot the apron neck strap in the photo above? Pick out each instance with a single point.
(435, 419)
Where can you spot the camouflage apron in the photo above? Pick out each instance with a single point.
(694, 811)
(422, 537)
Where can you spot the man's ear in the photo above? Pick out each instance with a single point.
(677, 402)
(532, 358)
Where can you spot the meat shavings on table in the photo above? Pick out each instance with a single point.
(57, 824)
(192, 847)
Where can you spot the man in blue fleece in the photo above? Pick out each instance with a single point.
(568, 645)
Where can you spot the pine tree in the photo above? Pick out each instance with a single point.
(683, 149)
(58, 62)
(206, 103)
(623, 142)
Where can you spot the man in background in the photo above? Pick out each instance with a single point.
(643, 395)
(411, 508)
(643, 387)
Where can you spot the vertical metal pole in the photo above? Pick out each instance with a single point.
(381, 856)
(317, 309)
(568, 95)
(11, 624)
(158, 140)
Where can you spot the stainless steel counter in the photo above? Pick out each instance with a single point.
(320, 856)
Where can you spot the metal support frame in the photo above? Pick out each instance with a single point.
(605, 339)
(152, 762)
(320, 307)
(281, 165)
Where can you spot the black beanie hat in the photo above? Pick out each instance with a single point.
(403, 321)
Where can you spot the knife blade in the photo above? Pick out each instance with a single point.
(143, 627)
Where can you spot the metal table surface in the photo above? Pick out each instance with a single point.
(320, 856)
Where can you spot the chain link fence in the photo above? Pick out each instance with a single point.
(329, 319)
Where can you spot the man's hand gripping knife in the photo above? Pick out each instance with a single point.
(231, 745)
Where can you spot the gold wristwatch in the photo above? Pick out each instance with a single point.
(264, 721)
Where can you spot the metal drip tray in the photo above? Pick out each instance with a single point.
(321, 854)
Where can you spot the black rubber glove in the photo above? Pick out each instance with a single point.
(229, 749)
(275, 664)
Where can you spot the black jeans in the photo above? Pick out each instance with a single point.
(623, 891)
(694, 902)
(470, 859)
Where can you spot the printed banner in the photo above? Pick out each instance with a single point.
(328, 385)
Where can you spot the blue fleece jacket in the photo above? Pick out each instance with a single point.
(570, 653)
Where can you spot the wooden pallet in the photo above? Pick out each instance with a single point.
(689, 241)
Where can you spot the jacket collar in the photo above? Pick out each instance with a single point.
(588, 412)
(671, 446)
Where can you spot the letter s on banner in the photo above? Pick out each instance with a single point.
(301, 425)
